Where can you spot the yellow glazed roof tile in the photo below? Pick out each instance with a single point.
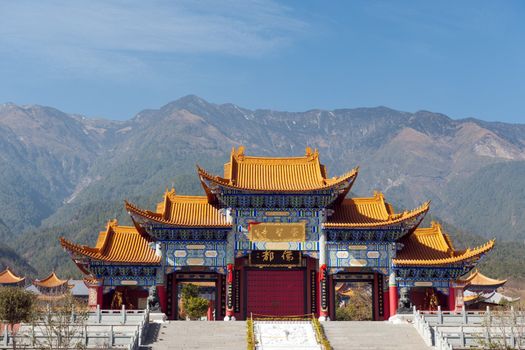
(118, 244)
(476, 278)
(50, 281)
(185, 211)
(277, 174)
(8, 277)
(369, 212)
(430, 246)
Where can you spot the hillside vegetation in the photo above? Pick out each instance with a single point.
(67, 175)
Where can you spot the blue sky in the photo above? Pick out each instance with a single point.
(114, 58)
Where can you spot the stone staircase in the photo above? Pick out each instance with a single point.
(188, 335)
(363, 335)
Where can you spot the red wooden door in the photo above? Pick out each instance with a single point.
(275, 292)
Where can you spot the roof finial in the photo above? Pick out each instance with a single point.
(240, 152)
(308, 151)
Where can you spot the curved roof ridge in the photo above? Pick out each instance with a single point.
(125, 245)
(9, 277)
(479, 279)
(240, 156)
(262, 184)
(51, 281)
(207, 216)
(440, 238)
(467, 254)
(381, 218)
(187, 197)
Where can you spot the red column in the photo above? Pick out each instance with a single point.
(324, 311)
(386, 305)
(229, 294)
(100, 296)
(392, 294)
(95, 296)
(163, 298)
(393, 299)
(452, 299)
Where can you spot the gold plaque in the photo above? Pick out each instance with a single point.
(277, 213)
(278, 232)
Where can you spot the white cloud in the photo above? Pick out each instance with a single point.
(117, 36)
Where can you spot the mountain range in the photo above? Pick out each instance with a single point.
(65, 174)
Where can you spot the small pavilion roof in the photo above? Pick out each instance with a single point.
(430, 246)
(118, 244)
(8, 277)
(184, 211)
(275, 174)
(477, 279)
(369, 212)
(51, 281)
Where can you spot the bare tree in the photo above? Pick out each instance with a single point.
(60, 324)
(504, 329)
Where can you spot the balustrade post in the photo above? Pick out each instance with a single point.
(99, 316)
(123, 313)
(111, 340)
(440, 315)
(461, 336)
(6, 335)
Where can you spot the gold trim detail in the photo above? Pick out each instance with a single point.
(277, 232)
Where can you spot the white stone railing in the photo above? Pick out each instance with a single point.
(448, 330)
(126, 329)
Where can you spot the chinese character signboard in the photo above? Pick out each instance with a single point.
(275, 258)
(277, 232)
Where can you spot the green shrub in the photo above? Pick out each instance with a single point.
(196, 307)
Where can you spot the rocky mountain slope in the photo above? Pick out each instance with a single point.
(44, 156)
(65, 174)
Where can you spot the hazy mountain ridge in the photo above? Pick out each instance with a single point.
(45, 153)
(92, 165)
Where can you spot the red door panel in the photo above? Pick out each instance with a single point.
(275, 292)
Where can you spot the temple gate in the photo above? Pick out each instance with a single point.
(276, 236)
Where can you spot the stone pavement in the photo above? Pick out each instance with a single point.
(370, 335)
(192, 335)
(285, 335)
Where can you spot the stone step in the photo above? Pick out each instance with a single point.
(369, 335)
(188, 335)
